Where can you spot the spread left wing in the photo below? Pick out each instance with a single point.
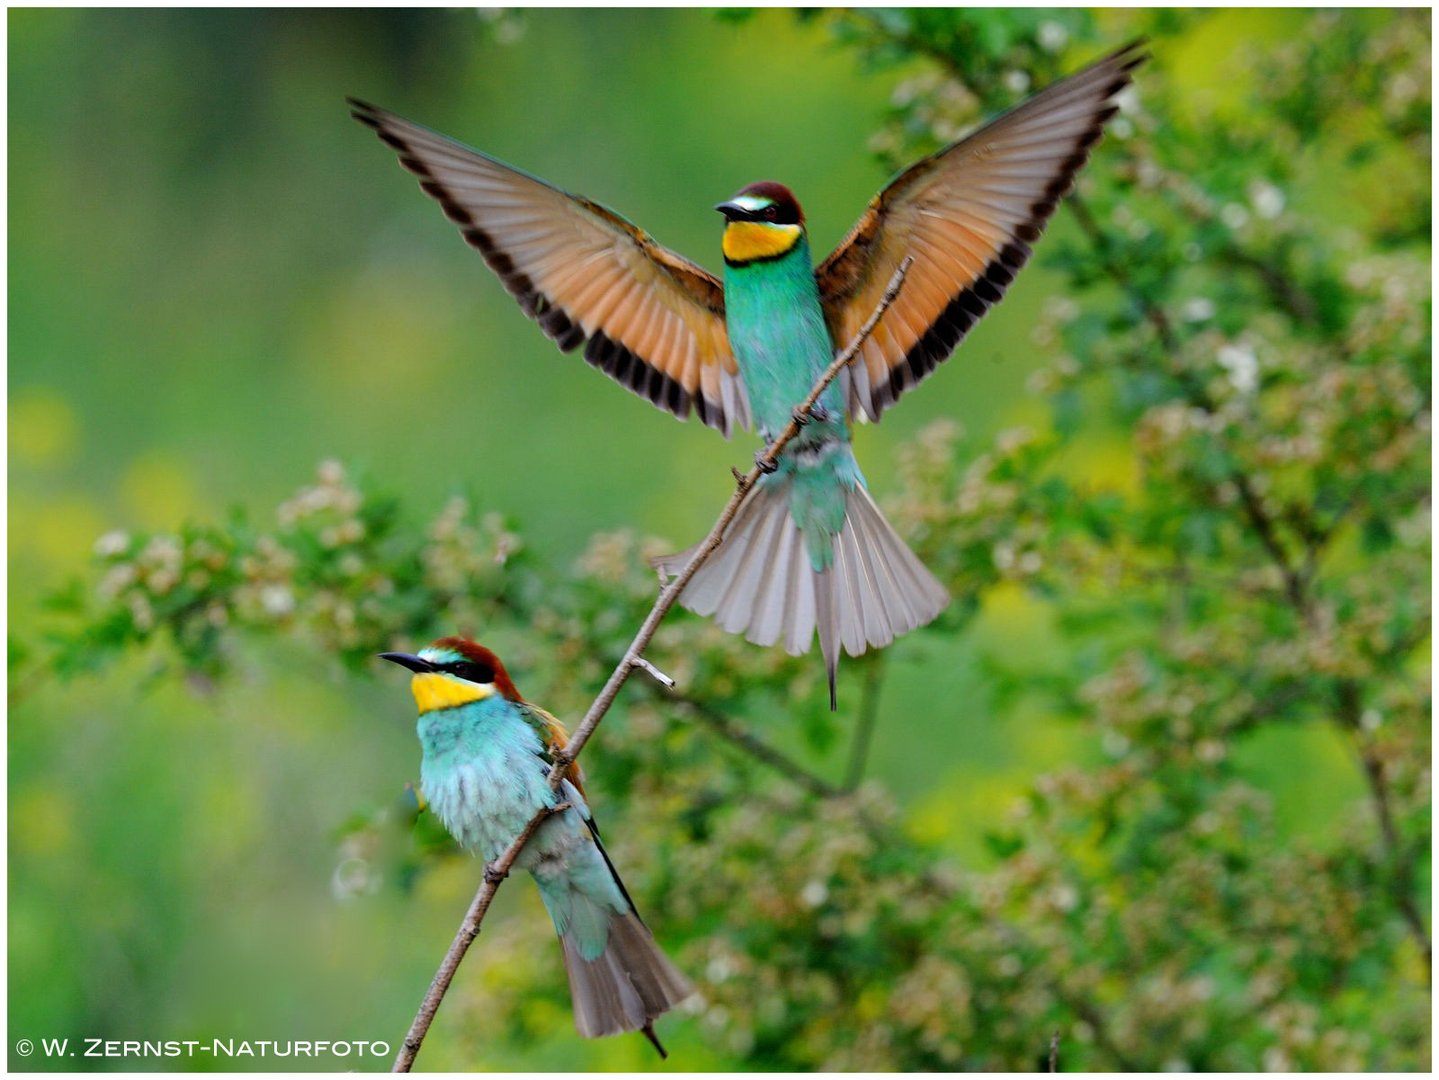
(650, 319)
(967, 214)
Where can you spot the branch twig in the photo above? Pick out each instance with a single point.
(633, 658)
(495, 873)
(864, 727)
(758, 749)
(655, 673)
(1195, 391)
(1400, 857)
(1298, 577)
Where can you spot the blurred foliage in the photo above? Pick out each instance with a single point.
(1217, 527)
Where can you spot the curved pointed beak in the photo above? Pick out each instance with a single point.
(408, 660)
(729, 208)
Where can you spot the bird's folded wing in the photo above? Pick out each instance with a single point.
(650, 319)
(553, 736)
(967, 214)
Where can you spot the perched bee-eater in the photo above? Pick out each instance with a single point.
(809, 549)
(485, 770)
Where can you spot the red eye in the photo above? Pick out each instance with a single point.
(771, 213)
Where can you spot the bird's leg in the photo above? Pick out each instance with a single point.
(763, 464)
(494, 876)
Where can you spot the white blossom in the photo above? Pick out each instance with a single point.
(112, 543)
(1051, 36)
(1268, 200)
(1242, 366)
(1197, 309)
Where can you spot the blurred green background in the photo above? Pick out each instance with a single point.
(217, 279)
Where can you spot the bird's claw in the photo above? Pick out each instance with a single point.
(764, 464)
(493, 875)
(815, 413)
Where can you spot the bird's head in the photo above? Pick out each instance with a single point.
(763, 221)
(454, 671)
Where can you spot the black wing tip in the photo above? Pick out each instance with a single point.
(1133, 53)
(953, 324)
(970, 304)
(364, 112)
(639, 377)
(1120, 65)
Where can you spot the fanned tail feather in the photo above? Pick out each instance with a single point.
(627, 986)
(760, 581)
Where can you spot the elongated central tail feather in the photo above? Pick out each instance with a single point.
(762, 582)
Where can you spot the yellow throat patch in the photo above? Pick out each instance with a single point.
(746, 240)
(435, 691)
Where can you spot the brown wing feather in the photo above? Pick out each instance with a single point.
(968, 215)
(554, 736)
(650, 319)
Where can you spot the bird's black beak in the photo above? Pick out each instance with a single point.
(407, 660)
(731, 209)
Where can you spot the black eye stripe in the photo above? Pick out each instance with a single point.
(772, 215)
(470, 671)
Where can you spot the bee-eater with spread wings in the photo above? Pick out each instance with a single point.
(809, 550)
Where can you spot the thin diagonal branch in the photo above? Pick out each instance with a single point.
(761, 751)
(495, 873)
(1298, 578)
(1400, 856)
(632, 659)
(1157, 317)
(1153, 313)
(1283, 290)
(746, 741)
(733, 733)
